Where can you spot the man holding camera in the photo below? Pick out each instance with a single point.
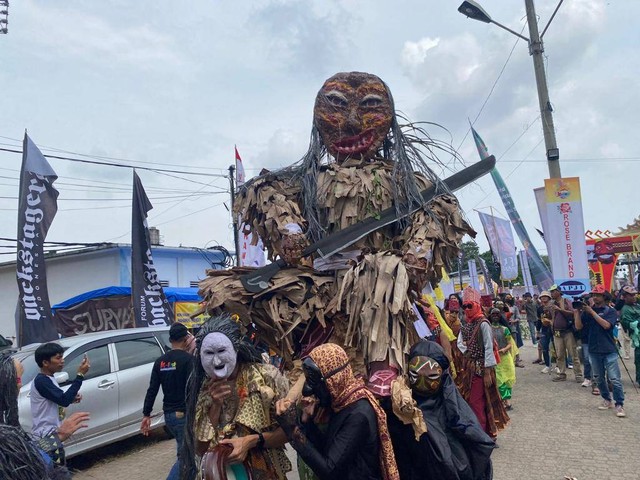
(600, 319)
(563, 338)
(630, 320)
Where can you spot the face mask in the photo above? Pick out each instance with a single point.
(425, 376)
(314, 383)
(217, 355)
(353, 113)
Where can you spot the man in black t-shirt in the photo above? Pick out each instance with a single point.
(171, 371)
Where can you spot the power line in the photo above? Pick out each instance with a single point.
(99, 157)
(120, 165)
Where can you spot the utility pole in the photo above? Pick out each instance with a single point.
(473, 10)
(535, 50)
(234, 219)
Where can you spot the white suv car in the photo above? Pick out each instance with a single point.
(113, 390)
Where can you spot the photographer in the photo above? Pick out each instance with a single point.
(563, 338)
(600, 319)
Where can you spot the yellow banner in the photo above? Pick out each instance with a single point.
(183, 312)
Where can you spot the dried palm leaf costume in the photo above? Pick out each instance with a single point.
(359, 162)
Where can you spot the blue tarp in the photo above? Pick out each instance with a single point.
(174, 294)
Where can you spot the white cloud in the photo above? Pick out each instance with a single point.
(70, 32)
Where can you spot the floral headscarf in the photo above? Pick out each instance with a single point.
(346, 389)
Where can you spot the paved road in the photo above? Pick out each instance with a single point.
(556, 431)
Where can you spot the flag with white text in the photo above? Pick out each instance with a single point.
(37, 206)
(150, 305)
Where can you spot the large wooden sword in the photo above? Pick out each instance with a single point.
(258, 280)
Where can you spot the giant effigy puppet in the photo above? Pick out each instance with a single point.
(355, 230)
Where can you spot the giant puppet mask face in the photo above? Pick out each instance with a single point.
(353, 113)
(425, 376)
(217, 355)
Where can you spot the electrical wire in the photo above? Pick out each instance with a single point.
(119, 165)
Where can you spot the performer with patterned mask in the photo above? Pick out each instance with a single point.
(451, 444)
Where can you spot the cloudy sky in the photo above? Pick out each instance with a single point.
(176, 84)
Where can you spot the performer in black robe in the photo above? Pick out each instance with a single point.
(455, 447)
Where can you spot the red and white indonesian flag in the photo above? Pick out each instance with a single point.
(249, 255)
(564, 235)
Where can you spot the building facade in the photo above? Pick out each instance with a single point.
(75, 272)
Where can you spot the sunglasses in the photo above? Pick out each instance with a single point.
(467, 306)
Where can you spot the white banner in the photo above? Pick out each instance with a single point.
(249, 255)
(565, 235)
(541, 202)
(473, 275)
(500, 238)
(526, 273)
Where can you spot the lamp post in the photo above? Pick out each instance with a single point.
(474, 11)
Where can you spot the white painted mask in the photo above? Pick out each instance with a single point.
(217, 355)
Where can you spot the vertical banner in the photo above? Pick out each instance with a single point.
(488, 281)
(541, 202)
(526, 273)
(249, 255)
(541, 273)
(566, 230)
(37, 206)
(150, 304)
(473, 275)
(500, 238)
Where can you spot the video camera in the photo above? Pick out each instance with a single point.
(579, 303)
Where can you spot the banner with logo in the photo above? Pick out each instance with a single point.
(565, 234)
(37, 206)
(500, 238)
(249, 255)
(540, 270)
(150, 305)
(95, 315)
(184, 312)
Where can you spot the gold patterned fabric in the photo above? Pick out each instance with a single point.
(249, 410)
(346, 389)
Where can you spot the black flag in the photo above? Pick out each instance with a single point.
(150, 304)
(37, 205)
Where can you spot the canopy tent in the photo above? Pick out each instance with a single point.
(109, 308)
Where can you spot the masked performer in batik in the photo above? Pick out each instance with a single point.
(360, 162)
(454, 446)
(356, 443)
(231, 399)
(478, 376)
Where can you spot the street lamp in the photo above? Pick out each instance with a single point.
(473, 10)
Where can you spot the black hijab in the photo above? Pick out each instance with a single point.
(455, 447)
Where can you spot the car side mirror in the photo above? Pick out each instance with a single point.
(61, 377)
